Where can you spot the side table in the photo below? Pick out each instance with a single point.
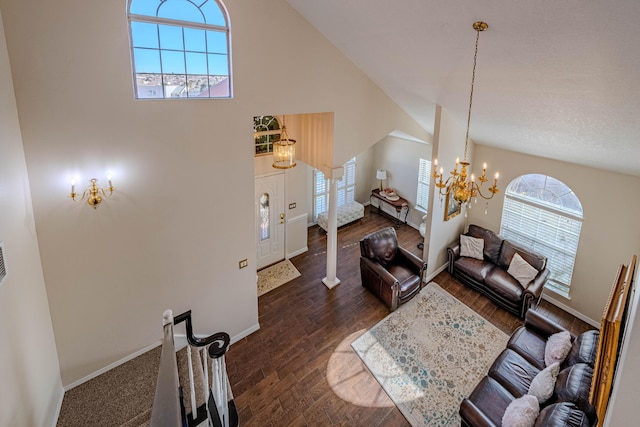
(401, 205)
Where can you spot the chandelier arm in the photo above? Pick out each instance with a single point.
(477, 189)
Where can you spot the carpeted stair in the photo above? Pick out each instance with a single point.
(123, 396)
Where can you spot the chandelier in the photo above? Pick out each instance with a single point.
(460, 186)
(284, 150)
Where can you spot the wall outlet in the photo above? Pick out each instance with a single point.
(292, 205)
(243, 263)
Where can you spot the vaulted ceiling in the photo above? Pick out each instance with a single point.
(555, 78)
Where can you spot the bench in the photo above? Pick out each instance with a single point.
(347, 213)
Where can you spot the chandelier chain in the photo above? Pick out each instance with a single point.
(473, 78)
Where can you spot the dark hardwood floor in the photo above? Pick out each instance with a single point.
(299, 369)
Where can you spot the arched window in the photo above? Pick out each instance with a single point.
(180, 48)
(545, 215)
(266, 130)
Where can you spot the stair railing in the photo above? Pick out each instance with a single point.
(220, 406)
(167, 403)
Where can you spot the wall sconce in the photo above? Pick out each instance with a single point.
(92, 193)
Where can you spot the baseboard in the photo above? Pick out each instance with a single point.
(58, 408)
(298, 252)
(245, 333)
(435, 273)
(111, 366)
(101, 371)
(571, 311)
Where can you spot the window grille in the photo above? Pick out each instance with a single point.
(266, 131)
(180, 49)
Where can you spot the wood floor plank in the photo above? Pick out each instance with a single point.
(280, 374)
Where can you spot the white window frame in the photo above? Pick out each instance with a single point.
(212, 79)
(424, 178)
(274, 135)
(544, 228)
(346, 189)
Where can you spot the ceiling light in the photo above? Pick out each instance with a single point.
(284, 150)
(459, 185)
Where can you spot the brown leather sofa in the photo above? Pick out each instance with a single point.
(489, 276)
(512, 372)
(388, 270)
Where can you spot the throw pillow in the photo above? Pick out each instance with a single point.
(557, 348)
(471, 247)
(522, 412)
(543, 384)
(521, 270)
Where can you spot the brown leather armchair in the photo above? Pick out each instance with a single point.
(388, 270)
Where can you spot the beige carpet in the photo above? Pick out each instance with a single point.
(123, 396)
(276, 275)
(429, 354)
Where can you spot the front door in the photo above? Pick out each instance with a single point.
(270, 219)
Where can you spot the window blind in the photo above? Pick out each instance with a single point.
(346, 189)
(424, 175)
(548, 232)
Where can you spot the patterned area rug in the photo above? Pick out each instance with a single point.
(276, 275)
(430, 354)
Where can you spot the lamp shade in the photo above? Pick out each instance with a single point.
(381, 174)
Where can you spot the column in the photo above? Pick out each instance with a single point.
(331, 280)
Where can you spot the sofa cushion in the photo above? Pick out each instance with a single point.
(584, 349)
(564, 414)
(529, 345)
(557, 348)
(471, 247)
(522, 412)
(492, 242)
(492, 398)
(474, 268)
(521, 270)
(509, 249)
(505, 286)
(513, 372)
(543, 384)
(573, 385)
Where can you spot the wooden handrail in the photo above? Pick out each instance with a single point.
(219, 339)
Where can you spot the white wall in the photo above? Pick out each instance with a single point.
(448, 143)
(182, 215)
(31, 390)
(401, 159)
(610, 230)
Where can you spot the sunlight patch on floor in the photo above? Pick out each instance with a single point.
(351, 380)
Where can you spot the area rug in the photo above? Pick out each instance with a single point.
(429, 354)
(276, 275)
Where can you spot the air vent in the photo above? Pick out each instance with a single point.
(3, 270)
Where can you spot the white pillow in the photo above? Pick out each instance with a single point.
(521, 270)
(557, 348)
(471, 247)
(522, 412)
(543, 384)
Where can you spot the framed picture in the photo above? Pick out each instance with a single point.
(451, 207)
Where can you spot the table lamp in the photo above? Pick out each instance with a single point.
(381, 174)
